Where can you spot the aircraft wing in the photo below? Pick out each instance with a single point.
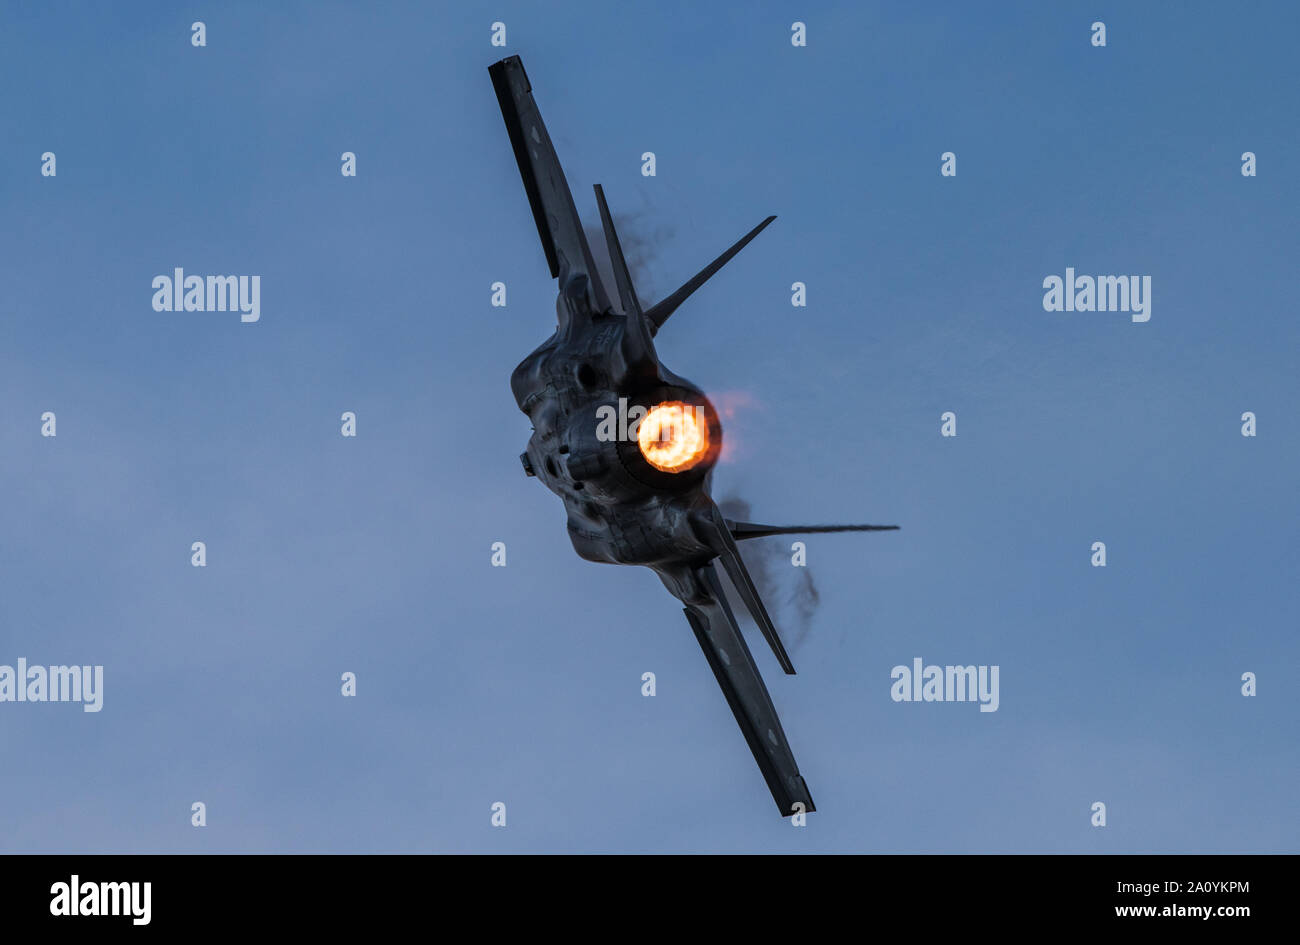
(732, 663)
(558, 223)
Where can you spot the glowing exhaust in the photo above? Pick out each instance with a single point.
(674, 436)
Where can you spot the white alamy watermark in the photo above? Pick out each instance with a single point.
(84, 684)
(79, 898)
(1098, 294)
(623, 423)
(181, 293)
(921, 683)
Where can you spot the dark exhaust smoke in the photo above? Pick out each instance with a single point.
(640, 241)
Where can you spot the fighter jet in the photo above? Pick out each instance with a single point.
(629, 446)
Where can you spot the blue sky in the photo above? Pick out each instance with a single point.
(522, 684)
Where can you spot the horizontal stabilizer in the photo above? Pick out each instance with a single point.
(742, 530)
(658, 313)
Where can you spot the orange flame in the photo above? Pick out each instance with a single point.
(674, 436)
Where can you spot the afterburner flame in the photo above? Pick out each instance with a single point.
(674, 436)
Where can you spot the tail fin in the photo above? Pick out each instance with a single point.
(623, 278)
(638, 348)
(659, 312)
(729, 554)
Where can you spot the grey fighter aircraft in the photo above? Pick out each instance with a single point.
(629, 446)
